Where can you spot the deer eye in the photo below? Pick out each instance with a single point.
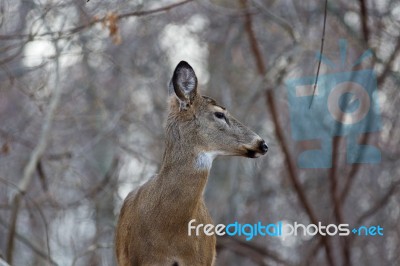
(219, 115)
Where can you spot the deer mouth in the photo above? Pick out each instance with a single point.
(260, 150)
(253, 153)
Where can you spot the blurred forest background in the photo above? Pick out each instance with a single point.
(83, 88)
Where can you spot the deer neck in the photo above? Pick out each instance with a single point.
(183, 177)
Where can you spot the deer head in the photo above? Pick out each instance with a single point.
(199, 123)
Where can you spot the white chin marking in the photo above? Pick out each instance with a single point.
(204, 160)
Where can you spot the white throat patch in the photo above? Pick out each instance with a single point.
(204, 160)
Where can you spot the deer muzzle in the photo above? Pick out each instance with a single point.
(255, 151)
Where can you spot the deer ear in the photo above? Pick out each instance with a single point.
(184, 84)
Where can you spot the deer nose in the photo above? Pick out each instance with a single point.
(263, 147)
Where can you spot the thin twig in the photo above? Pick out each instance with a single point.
(278, 20)
(77, 29)
(42, 176)
(389, 63)
(353, 173)
(394, 188)
(253, 42)
(320, 53)
(42, 216)
(99, 187)
(36, 249)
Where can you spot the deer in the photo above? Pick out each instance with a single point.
(153, 221)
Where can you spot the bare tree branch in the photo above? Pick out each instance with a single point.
(34, 247)
(98, 187)
(394, 188)
(389, 63)
(279, 132)
(35, 157)
(364, 19)
(62, 34)
(41, 214)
